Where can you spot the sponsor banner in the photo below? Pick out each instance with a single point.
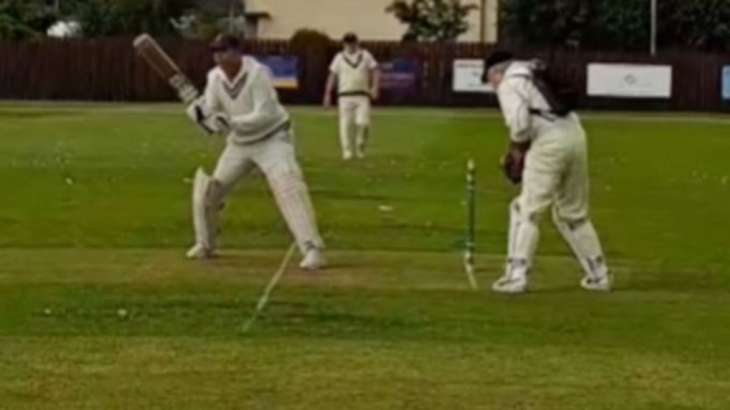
(284, 70)
(468, 77)
(629, 80)
(400, 74)
(726, 82)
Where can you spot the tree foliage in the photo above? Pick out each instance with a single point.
(432, 20)
(619, 24)
(313, 48)
(616, 24)
(545, 22)
(210, 17)
(24, 18)
(117, 17)
(31, 18)
(703, 24)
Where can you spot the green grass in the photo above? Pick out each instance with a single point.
(95, 219)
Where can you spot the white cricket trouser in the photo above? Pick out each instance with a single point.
(277, 160)
(556, 174)
(354, 119)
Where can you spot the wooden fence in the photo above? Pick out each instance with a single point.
(107, 70)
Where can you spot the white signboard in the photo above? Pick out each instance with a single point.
(468, 76)
(629, 80)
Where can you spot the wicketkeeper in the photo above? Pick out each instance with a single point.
(548, 155)
(241, 103)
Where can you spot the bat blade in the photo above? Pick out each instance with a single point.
(160, 62)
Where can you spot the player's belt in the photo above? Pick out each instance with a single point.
(544, 114)
(354, 94)
(285, 126)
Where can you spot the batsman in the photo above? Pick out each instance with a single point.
(548, 156)
(241, 103)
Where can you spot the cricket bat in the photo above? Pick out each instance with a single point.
(151, 52)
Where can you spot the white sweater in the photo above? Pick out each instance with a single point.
(353, 72)
(517, 94)
(250, 101)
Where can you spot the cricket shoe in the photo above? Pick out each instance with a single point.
(313, 260)
(511, 284)
(200, 252)
(347, 155)
(597, 284)
(360, 150)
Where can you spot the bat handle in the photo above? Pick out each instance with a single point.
(186, 91)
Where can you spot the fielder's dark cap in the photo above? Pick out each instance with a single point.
(497, 57)
(350, 38)
(225, 42)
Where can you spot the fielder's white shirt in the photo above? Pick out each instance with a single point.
(353, 72)
(517, 95)
(249, 100)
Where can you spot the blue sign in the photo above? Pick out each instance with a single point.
(284, 70)
(726, 82)
(400, 74)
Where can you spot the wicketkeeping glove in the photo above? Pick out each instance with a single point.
(513, 164)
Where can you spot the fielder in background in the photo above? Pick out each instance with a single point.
(358, 82)
(241, 103)
(548, 155)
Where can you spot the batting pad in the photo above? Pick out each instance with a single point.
(292, 197)
(524, 234)
(582, 238)
(206, 204)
